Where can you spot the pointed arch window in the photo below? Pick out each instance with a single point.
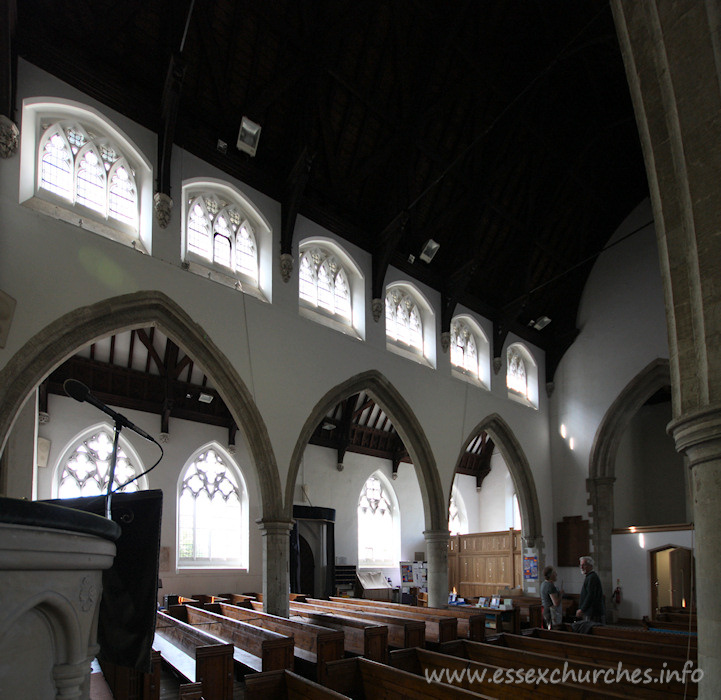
(457, 516)
(521, 375)
(87, 169)
(403, 319)
(218, 232)
(464, 348)
(225, 237)
(85, 468)
(516, 375)
(323, 284)
(212, 514)
(77, 166)
(378, 524)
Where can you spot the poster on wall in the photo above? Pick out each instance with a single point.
(530, 568)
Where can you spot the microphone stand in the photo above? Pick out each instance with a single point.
(111, 476)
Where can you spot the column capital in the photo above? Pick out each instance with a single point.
(601, 481)
(697, 434)
(274, 527)
(437, 535)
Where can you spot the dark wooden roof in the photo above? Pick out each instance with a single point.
(501, 129)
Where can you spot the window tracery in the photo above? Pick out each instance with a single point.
(210, 518)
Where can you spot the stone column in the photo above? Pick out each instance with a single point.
(601, 500)
(672, 54)
(698, 437)
(276, 563)
(21, 452)
(437, 556)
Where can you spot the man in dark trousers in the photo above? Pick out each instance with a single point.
(591, 600)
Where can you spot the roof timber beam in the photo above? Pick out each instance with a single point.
(9, 133)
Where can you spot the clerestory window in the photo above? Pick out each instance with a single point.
(219, 233)
(404, 325)
(330, 287)
(225, 238)
(212, 513)
(323, 283)
(78, 167)
(464, 349)
(521, 375)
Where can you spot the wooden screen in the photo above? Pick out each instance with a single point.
(479, 564)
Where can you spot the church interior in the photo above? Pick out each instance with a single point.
(384, 300)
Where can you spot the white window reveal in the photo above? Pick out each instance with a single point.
(78, 167)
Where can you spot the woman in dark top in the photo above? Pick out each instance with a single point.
(551, 599)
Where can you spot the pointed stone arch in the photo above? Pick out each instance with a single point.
(645, 384)
(60, 339)
(408, 427)
(602, 461)
(509, 447)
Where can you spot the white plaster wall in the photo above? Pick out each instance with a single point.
(622, 328)
(494, 496)
(287, 362)
(329, 488)
(632, 567)
(650, 486)
(68, 419)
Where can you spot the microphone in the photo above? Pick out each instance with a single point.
(78, 391)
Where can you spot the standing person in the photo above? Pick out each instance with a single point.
(591, 600)
(551, 599)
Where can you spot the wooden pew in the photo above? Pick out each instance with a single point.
(236, 598)
(254, 649)
(360, 637)
(471, 623)
(488, 679)
(129, 684)
(294, 597)
(576, 672)
(196, 656)
(202, 599)
(402, 632)
(286, 685)
(688, 625)
(190, 691)
(438, 629)
(615, 643)
(369, 680)
(644, 635)
(672, 615)
(314, 645)
(578, 650)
